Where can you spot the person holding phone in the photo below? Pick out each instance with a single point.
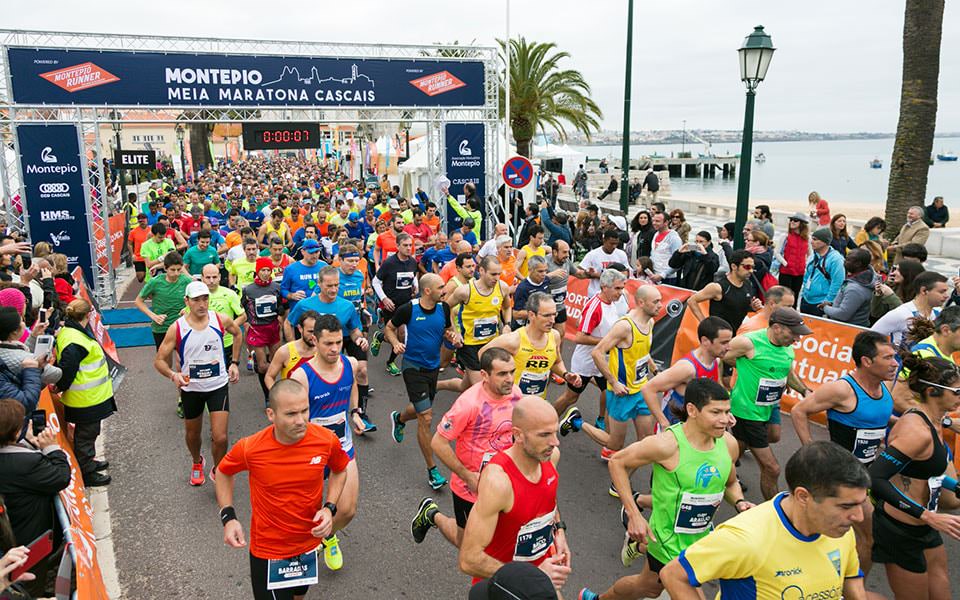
(34, 470)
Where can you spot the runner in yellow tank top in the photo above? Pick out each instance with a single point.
(486, 305)
(535, 247)
(623, 358)
(536, 348)
(290, 356)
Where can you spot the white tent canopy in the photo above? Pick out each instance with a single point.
(572, 159)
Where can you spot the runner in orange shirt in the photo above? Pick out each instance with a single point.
(287, 463)
(508, 260)
(138, 235)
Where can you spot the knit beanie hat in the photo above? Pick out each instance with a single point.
(13, 298)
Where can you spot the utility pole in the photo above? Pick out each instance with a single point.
(683, 144)
(625, 154)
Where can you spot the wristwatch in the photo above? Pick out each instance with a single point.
(331, 507)
(559, 525)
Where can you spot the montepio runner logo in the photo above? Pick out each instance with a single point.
(438, 83)
(80, 77)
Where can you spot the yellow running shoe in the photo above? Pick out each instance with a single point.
(332, 556)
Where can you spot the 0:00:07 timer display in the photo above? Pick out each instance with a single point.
(268, 136)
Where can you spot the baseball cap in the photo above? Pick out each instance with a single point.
(394, 203)
(791, 319)
(195, 289)
(310, 246)
(353, 216)
(515, 581)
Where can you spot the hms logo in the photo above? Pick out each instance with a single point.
(437, 83)
(80, 77)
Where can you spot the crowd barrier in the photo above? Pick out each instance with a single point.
(821, 357)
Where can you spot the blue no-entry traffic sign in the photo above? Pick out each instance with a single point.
(517, 172)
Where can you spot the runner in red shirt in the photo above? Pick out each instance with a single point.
(286, 462)
(138, 235)
(515, 517)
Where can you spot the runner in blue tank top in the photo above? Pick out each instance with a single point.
(858, 408)
(332, 388)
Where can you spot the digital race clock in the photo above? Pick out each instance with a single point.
(280, 136)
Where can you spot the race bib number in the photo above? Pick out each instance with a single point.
(866, 444)
(642, 369)
(485, 328)
(337, 424)
(935, 484)
(292, 572)
(204, 370)
(533, 384)
(696, 512)
(770, 390)
(534, 538)
(404, 280)
(265, 307)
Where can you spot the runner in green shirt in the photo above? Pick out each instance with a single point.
(226, 302)
(243, 270)
(155, 248)
(692, 472)
(201, 255)
(167, 293)
(764, 363)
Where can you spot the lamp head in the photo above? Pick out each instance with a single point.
(755, 55)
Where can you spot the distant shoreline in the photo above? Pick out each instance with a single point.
(689, 141)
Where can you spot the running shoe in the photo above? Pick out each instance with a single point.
(572, 421)
(557, 379)
(250, 364)
(375, 343)
(393, 369)
(613, 492)
(623, 511)
(630, 551)
(196, 472)
(332, 556)
(179, 407)
(397, 426)
(606, 453)
(587, 594)
(600, 423)
(460, 370)
(368, 425)
(435, 479)
(423, 520)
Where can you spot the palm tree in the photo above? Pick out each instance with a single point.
(922, 28)
(544, 95)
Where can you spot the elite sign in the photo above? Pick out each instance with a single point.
(135, 160)
(93, 77)
(52, 171)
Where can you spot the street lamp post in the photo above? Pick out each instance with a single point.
(625, 150)
(117, 127)
(755, 55)
(183, 159)
(683, 143)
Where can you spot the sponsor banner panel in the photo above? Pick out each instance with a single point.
(52, 170)
(79, 511)
(465, 163)
(89, 77)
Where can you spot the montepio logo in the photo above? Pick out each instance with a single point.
(438, 83)
(80, 77)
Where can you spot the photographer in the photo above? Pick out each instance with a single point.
(31, 474)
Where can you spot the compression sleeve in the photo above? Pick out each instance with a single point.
(378, 287)
(890, 462)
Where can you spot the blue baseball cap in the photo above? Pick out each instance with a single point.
(310, 246)
(353, 216)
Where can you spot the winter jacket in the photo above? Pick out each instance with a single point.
(823, 277)
(881, 305)
(30, 482)
(12, 355)
(852, 304)
(23, 387)
(794, 250)
(557, 232)
(841, 244)
(695, 270)
(762, 260)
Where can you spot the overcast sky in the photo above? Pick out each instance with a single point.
(836, 69)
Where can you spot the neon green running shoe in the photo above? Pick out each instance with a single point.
(332, 556)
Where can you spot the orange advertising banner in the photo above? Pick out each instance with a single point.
(77, 506)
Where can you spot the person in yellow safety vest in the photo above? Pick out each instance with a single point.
(86, 388)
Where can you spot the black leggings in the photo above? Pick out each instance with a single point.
(795, 283)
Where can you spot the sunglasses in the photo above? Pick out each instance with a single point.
(955, 390)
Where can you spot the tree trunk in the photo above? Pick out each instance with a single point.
(200, 145)
(524, 146)
(922, 28)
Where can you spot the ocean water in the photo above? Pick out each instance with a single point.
(838, 170)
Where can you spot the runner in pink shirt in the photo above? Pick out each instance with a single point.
(479, 423)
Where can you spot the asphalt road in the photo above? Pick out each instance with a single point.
(168, 538)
